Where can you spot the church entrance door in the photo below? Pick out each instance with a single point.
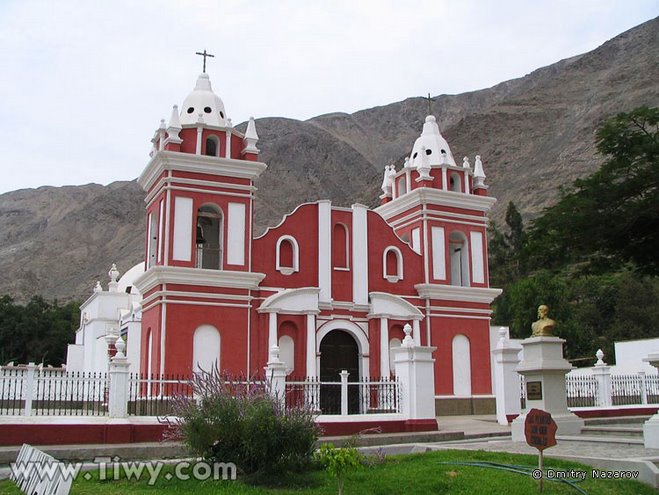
(338, 351)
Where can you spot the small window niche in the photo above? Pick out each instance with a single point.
(341, 247)
(212, 146)
(287, 256)
(392, 264)
(455, 183)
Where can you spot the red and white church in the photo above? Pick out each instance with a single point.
(331, 286)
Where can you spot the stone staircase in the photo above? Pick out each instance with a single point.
(623, 430)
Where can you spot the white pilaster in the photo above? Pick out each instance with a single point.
(311, 345)
(359, 254)
(325, 251)
(416, 332)
(385, 369)
(272, 331)
(199, 136)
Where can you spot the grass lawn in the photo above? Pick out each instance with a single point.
(411, 474)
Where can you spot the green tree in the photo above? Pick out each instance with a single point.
(612, 216)
(504, 248)
(38, 331)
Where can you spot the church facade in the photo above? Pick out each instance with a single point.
(331, 286)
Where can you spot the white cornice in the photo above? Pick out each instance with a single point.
(427, 195)
(195, 276)
(188, 162)
(484, 295)
(215, 128)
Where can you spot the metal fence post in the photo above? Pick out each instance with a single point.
(30, 372)
(344, 392)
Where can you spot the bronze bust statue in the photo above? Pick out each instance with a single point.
(545, 325)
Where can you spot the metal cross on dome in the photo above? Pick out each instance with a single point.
(430, 100)
(204, 54)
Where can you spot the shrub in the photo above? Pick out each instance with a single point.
(228, 420)
(339, 462)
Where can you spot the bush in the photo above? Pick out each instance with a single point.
(235, 421)
(339, 462)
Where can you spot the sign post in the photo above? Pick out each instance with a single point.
(540, 432)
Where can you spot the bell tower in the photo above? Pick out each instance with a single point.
(199, 208)
(440, 208)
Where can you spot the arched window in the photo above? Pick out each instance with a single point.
(209, 237)
(340, 247)
(459, 259)
(287, 256)
(461, 366)
(212, 146)
(287, 353)
(206, 344)
(392, 264)
(455, 183)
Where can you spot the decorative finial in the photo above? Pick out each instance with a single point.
(113, 273)
(120, 346)
(162, 124)
(408, 341)
(424, 165)
(204, 54)
(465, 162)
(600, 358)
(407, 163)
(98, 287)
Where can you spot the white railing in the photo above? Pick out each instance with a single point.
(365, 396)
(31, 390)
(606, 390)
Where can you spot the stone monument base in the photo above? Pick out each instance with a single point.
(568, 424)
(651, 432)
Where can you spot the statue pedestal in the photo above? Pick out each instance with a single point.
(544, 369)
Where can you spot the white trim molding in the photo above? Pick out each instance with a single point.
(425, 195)
(385, 305)
(187, 162)
(292, 301)
(484, 295)
(158, 275)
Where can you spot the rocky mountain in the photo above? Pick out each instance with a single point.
(534, 133)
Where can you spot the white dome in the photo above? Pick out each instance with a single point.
(203, 100)
(128, 279)
(436, 148)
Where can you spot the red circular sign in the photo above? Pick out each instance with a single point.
(540, 429)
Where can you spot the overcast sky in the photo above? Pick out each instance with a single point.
(83, 84)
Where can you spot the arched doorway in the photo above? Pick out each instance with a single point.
(338, 351)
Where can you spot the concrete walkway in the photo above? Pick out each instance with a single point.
(455, 432)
